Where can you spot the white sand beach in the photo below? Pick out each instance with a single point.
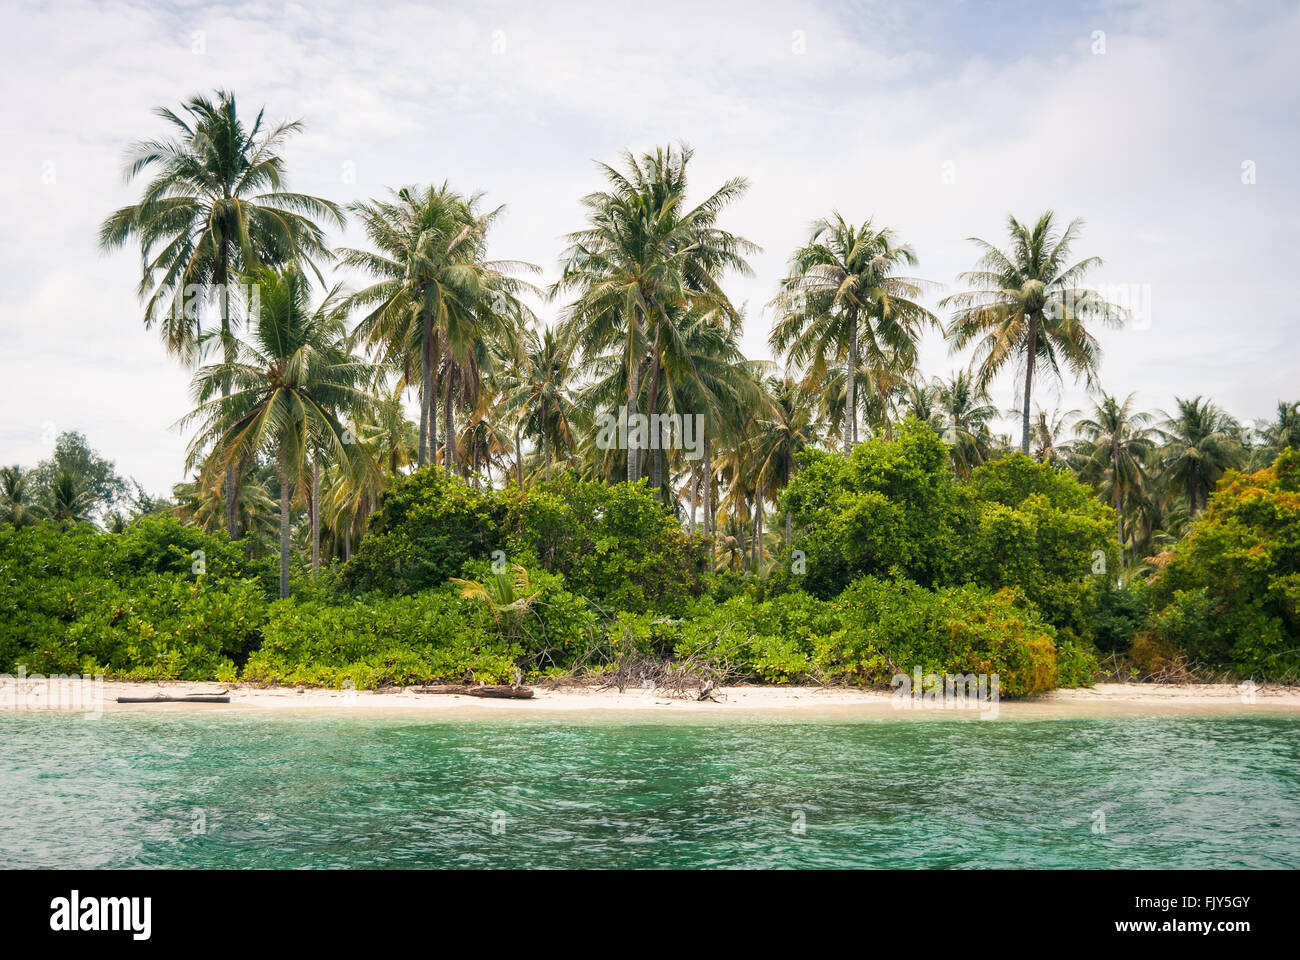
(743, 701)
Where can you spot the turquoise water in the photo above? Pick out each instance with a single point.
(196, 790)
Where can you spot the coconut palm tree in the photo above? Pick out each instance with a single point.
(844, 303)
(1201, 444)
(1277, 435)
(69, 499)
(216, 209)
(1116, 449)
(539, 392)
(964, 416)
(1049, 443)
(1026, 306)
(435, 296)
(644, 254)
(19, 504)
(783, 431)
(293, 382)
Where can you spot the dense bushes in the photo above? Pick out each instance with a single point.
(624, 549)
(1041, 531)
(876, 629)
(427, 527)
(892, 509)
(74, 600)
(378, 640)
(1229, 594)
(1012, 573)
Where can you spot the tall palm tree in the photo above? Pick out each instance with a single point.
(1201, 443)
(964, 413)
(538, 392)
(844, 303)
(1275, 436)
(205, 507)
(69, 499)
(1026, 306)
(436, 294)
(216, 209)
(783, 431)
(1118, 445)
(19, 504)
(643, 254)
(1049, 443)
(293, 382)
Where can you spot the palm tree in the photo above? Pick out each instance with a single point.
(921, 400)
(1049, 445)
(435, 295)
(843, 303)
(1026, 306)
(19, 505)
(69, 499)
(1116, 449)
(1276, 436)
(292, 383)
(1201, 444)
(205, 507)
(216, 209)
(643, 255)
(964, 414)
(783, 431)
(538, 393)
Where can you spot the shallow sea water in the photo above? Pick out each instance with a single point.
(196, 790)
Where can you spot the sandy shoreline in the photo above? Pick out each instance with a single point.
(738, 702)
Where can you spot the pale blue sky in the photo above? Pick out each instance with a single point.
(860, 107)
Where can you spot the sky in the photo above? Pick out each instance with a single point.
(1169, 127)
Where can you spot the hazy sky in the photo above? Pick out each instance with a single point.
(938, 119)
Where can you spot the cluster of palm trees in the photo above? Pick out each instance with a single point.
(298, 410)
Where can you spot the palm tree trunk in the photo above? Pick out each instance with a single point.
(758, 532)
(1029, 382)
(851, 385)
(695, 498)
(519, 459)
(633, 392)
(231, 482)
(315, 516)
(427, 402)
(652, 401)
(448, 424)
(708, 501)
(284, 531)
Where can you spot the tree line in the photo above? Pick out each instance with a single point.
(298, 424)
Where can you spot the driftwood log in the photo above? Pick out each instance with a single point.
(197, 698)
(488, 690)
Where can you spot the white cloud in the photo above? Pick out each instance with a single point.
(1145, 142)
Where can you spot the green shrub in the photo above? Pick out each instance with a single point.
(892, 509)
(1229, 595)
(427, 526)
(128, 605)
(891, 628)
(1040, 530)
(614, 544)
(888, 508)
(373, 641)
